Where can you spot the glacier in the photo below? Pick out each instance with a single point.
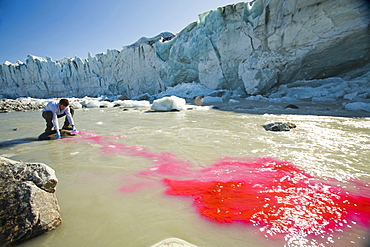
(266, 50)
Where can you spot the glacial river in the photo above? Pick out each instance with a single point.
(106, 200)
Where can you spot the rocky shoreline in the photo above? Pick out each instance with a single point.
(240, 105)
(9, 105)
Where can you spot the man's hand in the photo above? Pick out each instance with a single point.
(57, 135)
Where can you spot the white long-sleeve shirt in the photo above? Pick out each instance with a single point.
(53, 106)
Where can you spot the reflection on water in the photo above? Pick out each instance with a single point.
(97, 213)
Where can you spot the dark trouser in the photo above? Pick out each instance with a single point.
(48, 116)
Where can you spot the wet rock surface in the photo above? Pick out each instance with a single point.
(52, 135)
(28, 204)
(279, 126)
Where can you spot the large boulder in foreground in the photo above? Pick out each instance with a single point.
(28, 204)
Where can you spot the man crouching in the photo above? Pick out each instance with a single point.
(54, 110)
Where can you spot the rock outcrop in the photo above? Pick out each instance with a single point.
(52, 135)
(249, 47)
(28, 204)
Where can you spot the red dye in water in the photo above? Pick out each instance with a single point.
(274, 195)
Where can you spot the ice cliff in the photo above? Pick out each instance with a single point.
(250, 47)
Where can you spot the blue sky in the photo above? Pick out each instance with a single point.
(68, 28)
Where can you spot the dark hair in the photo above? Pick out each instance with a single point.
(64, 102)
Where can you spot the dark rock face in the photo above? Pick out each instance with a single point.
(28, 204)
(279, 126)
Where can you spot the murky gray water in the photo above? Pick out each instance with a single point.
(96, 213)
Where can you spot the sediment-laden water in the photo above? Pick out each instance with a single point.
(97, 211)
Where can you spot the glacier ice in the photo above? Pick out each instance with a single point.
(186, 90)
(169, 104)
(275, 49)
(76, 105)
(353, 93)
(333, 88)
(210, 99)
(133, 103)
(358, 106)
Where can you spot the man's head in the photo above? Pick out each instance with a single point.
(63, 103)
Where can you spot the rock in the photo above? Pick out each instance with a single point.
(173, 242)
(28, 203)
(279, 126)
(51, 136)
(198, 100)
(8, 105)
(123, 97)
(145, 96)
(291, 106)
